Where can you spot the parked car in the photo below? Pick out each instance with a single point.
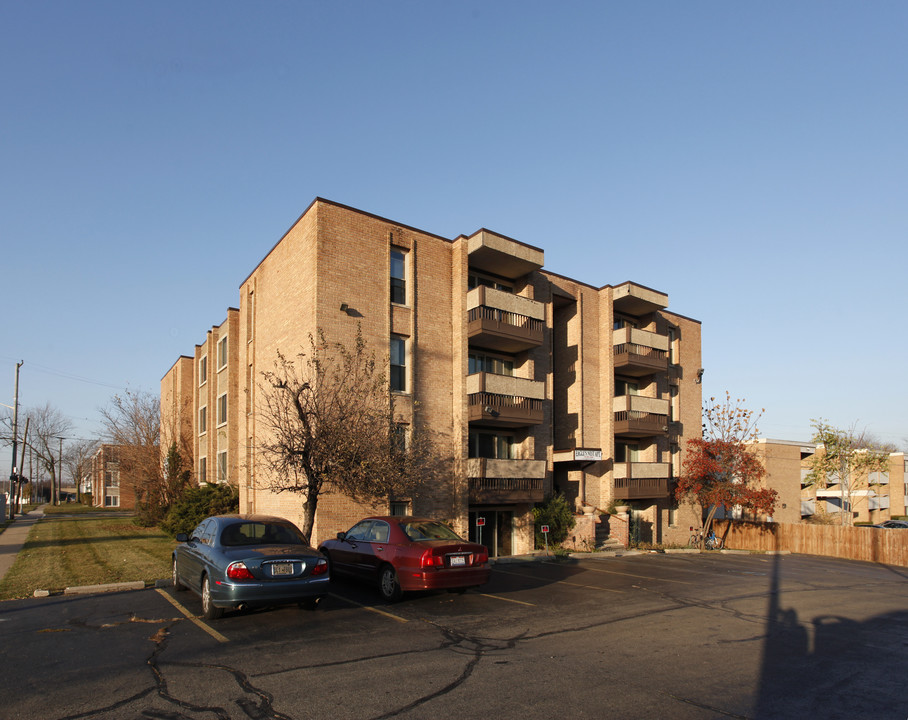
(400, 554)
(893, 524)
(235, 561)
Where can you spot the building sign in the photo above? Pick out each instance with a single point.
(588, 455)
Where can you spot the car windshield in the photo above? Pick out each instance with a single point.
(428, 530)
(260, 533)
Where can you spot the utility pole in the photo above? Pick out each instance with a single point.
(13, 471)
(60, 474)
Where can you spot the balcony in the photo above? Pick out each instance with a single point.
(506, 481)
(503, 321)
(638, 300)
(639, 480)
(502, 256)
(638, 416)
(639, 352)
(505, 401)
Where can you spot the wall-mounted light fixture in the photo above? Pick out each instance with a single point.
(699, 376)
(344, 307)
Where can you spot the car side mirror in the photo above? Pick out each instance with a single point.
(182, 537)
(342, 536)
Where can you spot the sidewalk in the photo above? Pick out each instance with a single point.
(13, 538)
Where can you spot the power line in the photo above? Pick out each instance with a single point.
(68, 376)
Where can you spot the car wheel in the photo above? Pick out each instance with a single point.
(177, 585)
(208, 609)
(388, 584)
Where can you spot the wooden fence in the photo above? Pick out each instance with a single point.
(879, 545)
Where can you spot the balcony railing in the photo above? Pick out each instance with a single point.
(634, 488)
(638, 360)
(505, 410)
(503, 331)
(639, 416)
(506, 490)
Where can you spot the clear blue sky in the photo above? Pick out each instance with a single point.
(748, 159)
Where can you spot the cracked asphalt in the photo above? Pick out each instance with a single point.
(674, 636)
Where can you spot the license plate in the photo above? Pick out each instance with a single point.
(282, 569)
(458, 560)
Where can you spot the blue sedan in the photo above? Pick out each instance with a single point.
(238, 561)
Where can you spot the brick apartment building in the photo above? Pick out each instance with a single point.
(875, 497)
(531, 382)
(107, 485)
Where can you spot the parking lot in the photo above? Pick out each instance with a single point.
(682, 636)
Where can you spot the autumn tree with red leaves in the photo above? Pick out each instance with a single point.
(719, 470)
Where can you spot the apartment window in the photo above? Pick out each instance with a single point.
(111, 479)
(203, 420)
(475, 280)
(399, 509)
(222, 409)
(673, 412)
(626, 387)
(222, 353)
(203, 370)
(672, 346)
(491, 445)
(627, 452)
(479, 362)
(621, 322)
(203, 469)
(398, 277)
(398, 364)
(111, 501)
(222, 467)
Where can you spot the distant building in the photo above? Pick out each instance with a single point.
(874, 497)
(532, 382)
(108, 486)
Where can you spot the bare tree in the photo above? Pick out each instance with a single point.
(132, 422)
(330, 425)
(847, 462)
(48, 427)
(77, 461)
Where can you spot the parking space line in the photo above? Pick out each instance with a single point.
(642, 577)
(563, 582)
(210, 630)
(510, 600)
(369, 607)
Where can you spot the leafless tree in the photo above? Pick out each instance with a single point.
(77, 461)
(46, 427)
(330, 426)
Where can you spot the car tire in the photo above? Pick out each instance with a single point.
(208, 608)
(389, 584)
(177, 585)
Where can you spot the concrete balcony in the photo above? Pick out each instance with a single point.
(502, 256)
(639, 352)
(638, 416)
(505, 401)
(506, 481)
(637, 300)
(503, 321)
(639, 480)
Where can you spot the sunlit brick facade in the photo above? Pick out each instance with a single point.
(531, 382)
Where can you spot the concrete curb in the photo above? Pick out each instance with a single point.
(110, 587)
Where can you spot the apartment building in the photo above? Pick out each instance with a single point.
(108, 486)
(874, 497)
(530, 381)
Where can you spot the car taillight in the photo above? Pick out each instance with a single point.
(239, 571)
(321, 567)
(428, 560)
(481, 557)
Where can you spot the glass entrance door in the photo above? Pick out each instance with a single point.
(494, 529)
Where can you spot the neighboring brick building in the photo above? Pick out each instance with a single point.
(532, 382)
(108, 486)
(874, 498)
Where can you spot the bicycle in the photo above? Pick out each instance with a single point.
(713, 542)
(695, 537)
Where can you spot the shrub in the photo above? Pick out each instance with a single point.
(197, 503)
(556, 512)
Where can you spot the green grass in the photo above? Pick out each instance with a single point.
(89, 550)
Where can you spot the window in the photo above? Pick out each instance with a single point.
(398, 364)
(203, 470)
(111, 501)
(111, 479)
(475, 280)
(222, 353)
(222, 409)
(400, 437)
(203, 420)
(626, 387)
(621, 322)
(672, 346)
(399, 509)
(491, 445)
(398, 278)
(222, 467)
(627, 452)
(203, 370)
(479, 362)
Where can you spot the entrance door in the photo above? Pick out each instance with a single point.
(496, 532)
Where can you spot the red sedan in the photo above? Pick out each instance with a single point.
(407, 553)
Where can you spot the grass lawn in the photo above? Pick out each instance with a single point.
(90, 549)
